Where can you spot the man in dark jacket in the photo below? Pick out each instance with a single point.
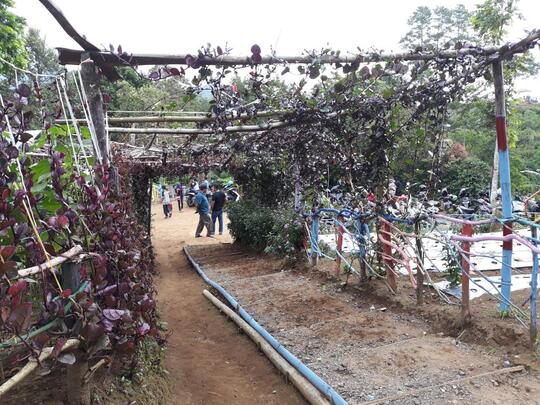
(218, 202)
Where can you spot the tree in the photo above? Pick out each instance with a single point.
(41, 58)
(437, 29)
(11, 37)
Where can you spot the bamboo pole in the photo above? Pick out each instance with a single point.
(32, 365)
(55, 261)
(181, 118)
(72, 56)
(310, 393)
(69, 57)
(203, 131)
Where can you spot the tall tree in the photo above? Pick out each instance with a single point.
(11, 37)
(438, 28)
(41, 58)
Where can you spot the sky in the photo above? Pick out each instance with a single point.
(288, 26)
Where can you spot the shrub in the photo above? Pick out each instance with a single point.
(471, 173)
(272, 230)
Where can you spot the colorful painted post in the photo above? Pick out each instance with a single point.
(364, 236)
(386, 236)
(339, 246)
(466, 230)
(419, 267)
(534, 291)
(314, 239)
(506, 188)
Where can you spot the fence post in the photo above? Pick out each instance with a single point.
(386, 236)
(364, 234)
(466, 230)
(419, 274)
(339, 247)
(534, 290)
(506, 187)
(71, 279)
(91, 83)
(314, 239)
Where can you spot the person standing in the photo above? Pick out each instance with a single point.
(166, 201)
(203, 210)
(179, 190)
(218, 202)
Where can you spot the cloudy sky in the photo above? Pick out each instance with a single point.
(174, 26)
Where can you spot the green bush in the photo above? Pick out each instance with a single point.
(471, 173)
(272, 230)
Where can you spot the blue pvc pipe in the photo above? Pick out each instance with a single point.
(313, 378)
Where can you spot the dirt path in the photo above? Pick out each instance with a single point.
(209, 361)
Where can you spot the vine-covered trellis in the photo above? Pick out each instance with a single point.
(351, 120)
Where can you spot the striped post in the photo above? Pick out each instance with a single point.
(534, 290)
(386, 237)
(339, 245)
(314, 239)
(467, 230)
(506, 188)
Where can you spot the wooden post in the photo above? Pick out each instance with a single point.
(339, 246)
(419, 267)
(534, 291)
(364, 234)
(506, 187)
(467, 230)
(386, 237)
(71, 279)
(91, 83)
(314, 242)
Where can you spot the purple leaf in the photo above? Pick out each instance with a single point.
(256, 49)
(24, 90)
(19, 319)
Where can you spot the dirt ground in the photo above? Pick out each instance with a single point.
(209, 360)
(370, 345)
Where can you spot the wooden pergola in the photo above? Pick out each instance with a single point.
(91, 57)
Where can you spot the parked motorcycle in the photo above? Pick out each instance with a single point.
(190, 197)
(231, 192)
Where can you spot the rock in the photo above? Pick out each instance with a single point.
(461, 373)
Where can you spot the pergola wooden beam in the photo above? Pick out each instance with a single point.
(71, 56)
(203, 131)
(183, 118)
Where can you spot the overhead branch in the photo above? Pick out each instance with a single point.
(107, 69)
